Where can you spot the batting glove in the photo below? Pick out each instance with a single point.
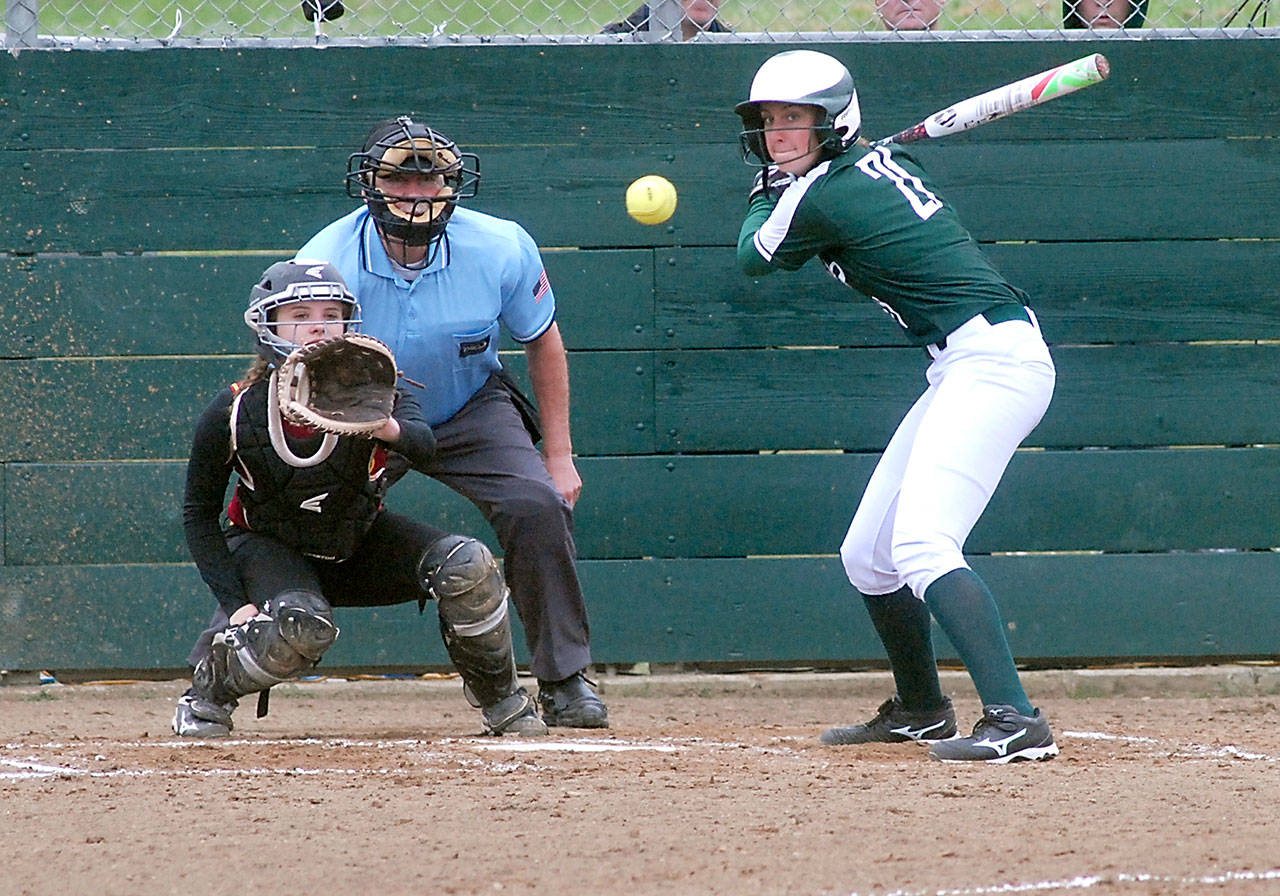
(771, 182)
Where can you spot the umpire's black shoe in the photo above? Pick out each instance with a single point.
(1001, 735)
(570, 703)
(895, 724)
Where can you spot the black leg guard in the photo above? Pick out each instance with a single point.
(471, 597)
(517, 714)
(286, 639)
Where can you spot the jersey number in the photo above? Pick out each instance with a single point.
(877, 164)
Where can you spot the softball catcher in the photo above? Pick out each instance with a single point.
(877, 223)
(306, 529)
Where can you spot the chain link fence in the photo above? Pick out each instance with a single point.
(144, 24)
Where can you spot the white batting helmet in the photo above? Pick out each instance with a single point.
(805, 78)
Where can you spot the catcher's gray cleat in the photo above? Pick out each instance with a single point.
(516, 715)
(895, 724)
(195, 717)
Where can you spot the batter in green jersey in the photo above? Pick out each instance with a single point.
(871, 215)
(878, 225)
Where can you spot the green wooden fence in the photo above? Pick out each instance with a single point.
(725, 426)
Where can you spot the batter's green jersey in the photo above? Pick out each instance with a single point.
(874, 219)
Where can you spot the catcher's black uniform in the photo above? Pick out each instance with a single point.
(306, 530)
(317, 528)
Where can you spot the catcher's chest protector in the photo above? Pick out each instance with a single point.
(322, 510)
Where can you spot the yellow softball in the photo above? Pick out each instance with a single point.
(651, 199)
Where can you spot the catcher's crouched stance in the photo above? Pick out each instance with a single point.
(307, 433)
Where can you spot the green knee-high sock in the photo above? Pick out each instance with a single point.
(967, 612)
(902, 622)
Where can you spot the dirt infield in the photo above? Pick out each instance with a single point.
(704, 785)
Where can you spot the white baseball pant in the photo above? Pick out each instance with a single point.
(988, 388)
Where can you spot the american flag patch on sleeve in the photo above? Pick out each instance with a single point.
(542, 288)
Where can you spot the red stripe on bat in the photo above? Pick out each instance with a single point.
(1039, 88)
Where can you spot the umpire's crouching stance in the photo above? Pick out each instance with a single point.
(306, 530)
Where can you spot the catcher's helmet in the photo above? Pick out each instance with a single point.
(805, 78)
(297, 280)
(405, 147)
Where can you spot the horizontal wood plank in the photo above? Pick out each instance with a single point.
(825, 398)
(210, 97)
(94, 305)
(797, 610)
(1051, 191)
(146, 408)
(782, 504)
(706, 401)
(573, 196)
(86, 305)
(1083, 293)
(717, 506)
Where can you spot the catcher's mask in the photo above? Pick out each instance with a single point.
(396, 151)
(285, 282)
(803, 78)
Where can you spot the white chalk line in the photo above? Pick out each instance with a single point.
(35, 768)
(531, 747)
(1198, 750)
(28, 768)
(1086, 881)
(40, 770)
(484, 742)
(481, 742)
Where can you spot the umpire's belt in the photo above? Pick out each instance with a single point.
(996, 315)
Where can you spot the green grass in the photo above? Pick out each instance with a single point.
(407, 18)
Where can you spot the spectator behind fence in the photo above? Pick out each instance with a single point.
(922, 15)
(1104, 13)
(699, 16)
(910, 15)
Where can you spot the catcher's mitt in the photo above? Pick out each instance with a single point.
(345, 385)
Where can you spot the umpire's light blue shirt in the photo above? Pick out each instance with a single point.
(443, 326)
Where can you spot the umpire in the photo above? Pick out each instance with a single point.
(438, 283)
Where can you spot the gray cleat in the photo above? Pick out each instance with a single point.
(895, 724)
(194, 717)
(1001, 735)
